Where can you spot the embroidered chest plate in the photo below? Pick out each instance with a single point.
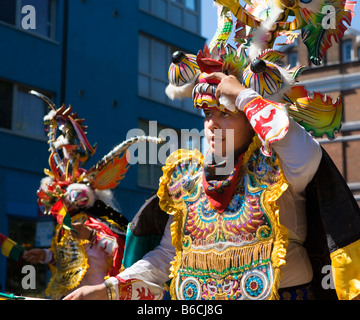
(71, 261)
(226, 255)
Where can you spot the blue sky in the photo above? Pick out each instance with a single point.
(209, 24)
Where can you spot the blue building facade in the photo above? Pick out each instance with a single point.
(108, 60)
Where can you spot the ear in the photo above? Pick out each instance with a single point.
(112, 173)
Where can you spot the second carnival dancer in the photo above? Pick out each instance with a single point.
(265, 228)
(89, 238)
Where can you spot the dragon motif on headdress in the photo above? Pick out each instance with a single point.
(254, 60)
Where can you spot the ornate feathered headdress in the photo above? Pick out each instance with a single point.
(255, 61)
(68, 187)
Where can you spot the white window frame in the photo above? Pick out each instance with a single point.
(181, 6)
(152, 177)
(344, 46)
(16, 88)
(19, 16)
(184, 141)
(185, 104)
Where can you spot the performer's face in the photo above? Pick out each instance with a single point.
(233, 126)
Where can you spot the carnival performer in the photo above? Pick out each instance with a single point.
(223, 214)
(89, 238)
(84, 254)
(250, 219)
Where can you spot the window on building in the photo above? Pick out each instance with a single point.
(20, 111)
(358, 53)
(43, 16)
(183, 13)
(150, 164)
(6, 104)
(23, 232)
(154, 62)
(151, 158)
(347, 51)
(325, 59)
(8, 11)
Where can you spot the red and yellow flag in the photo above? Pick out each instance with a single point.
(61, 215)
(9, 248)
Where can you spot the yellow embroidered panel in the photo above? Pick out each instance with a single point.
(71, 261)
(231, 255)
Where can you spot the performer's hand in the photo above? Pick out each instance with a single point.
(96, 292)
(82, 231)
(34, 256)
(229, 86)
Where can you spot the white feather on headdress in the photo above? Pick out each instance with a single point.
(258, 44)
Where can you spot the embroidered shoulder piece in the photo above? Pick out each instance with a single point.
(235, 254)
(182, 169)
(232, 255)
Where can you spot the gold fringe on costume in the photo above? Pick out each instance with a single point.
(273, 249)
(71, 262)
(229, 258)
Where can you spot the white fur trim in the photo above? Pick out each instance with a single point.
(89, 192)
(45, 182)
(107, 197)
(60, 142)
(258, 45)
(180, 92)
(50, 115)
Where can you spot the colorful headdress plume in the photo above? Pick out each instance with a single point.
(255, 61)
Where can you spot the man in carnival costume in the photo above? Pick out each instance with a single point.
(90, 234)
(265, 228)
